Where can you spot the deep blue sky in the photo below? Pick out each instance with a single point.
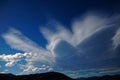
(28, 16)
(25, 15)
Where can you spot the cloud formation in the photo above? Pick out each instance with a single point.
(18, 41)
(116, 39)
(63, 48)
(93, 72)
(82, 29)
(5, 71)
(27, 69)
(14, 58)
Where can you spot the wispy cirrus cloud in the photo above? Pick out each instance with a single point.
(62, 49)
(116, 39)
(18, 41)
(93, 72)
(54, 37)
(65, 43)
(81, 30)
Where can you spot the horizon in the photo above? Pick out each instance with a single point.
(110, 75)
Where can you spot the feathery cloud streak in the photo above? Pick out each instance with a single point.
(116, 39)
(82, 29)
(18, 41)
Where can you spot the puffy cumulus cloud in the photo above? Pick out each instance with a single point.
(116, 39)
(14, 58)
(27, 69)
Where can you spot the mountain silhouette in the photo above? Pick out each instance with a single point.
(41, 76)
(53, 76)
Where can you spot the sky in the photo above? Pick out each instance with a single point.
(80, 38)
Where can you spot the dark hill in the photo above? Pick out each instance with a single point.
(42, 76)
(53, 76)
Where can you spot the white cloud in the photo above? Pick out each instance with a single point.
(27, 69)
(54, 37)
(93, 72)
(12, 59)
(5, 71)
(82, 29)
(110, 71)
(116, 39)
(30, 69)
(18, 41)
